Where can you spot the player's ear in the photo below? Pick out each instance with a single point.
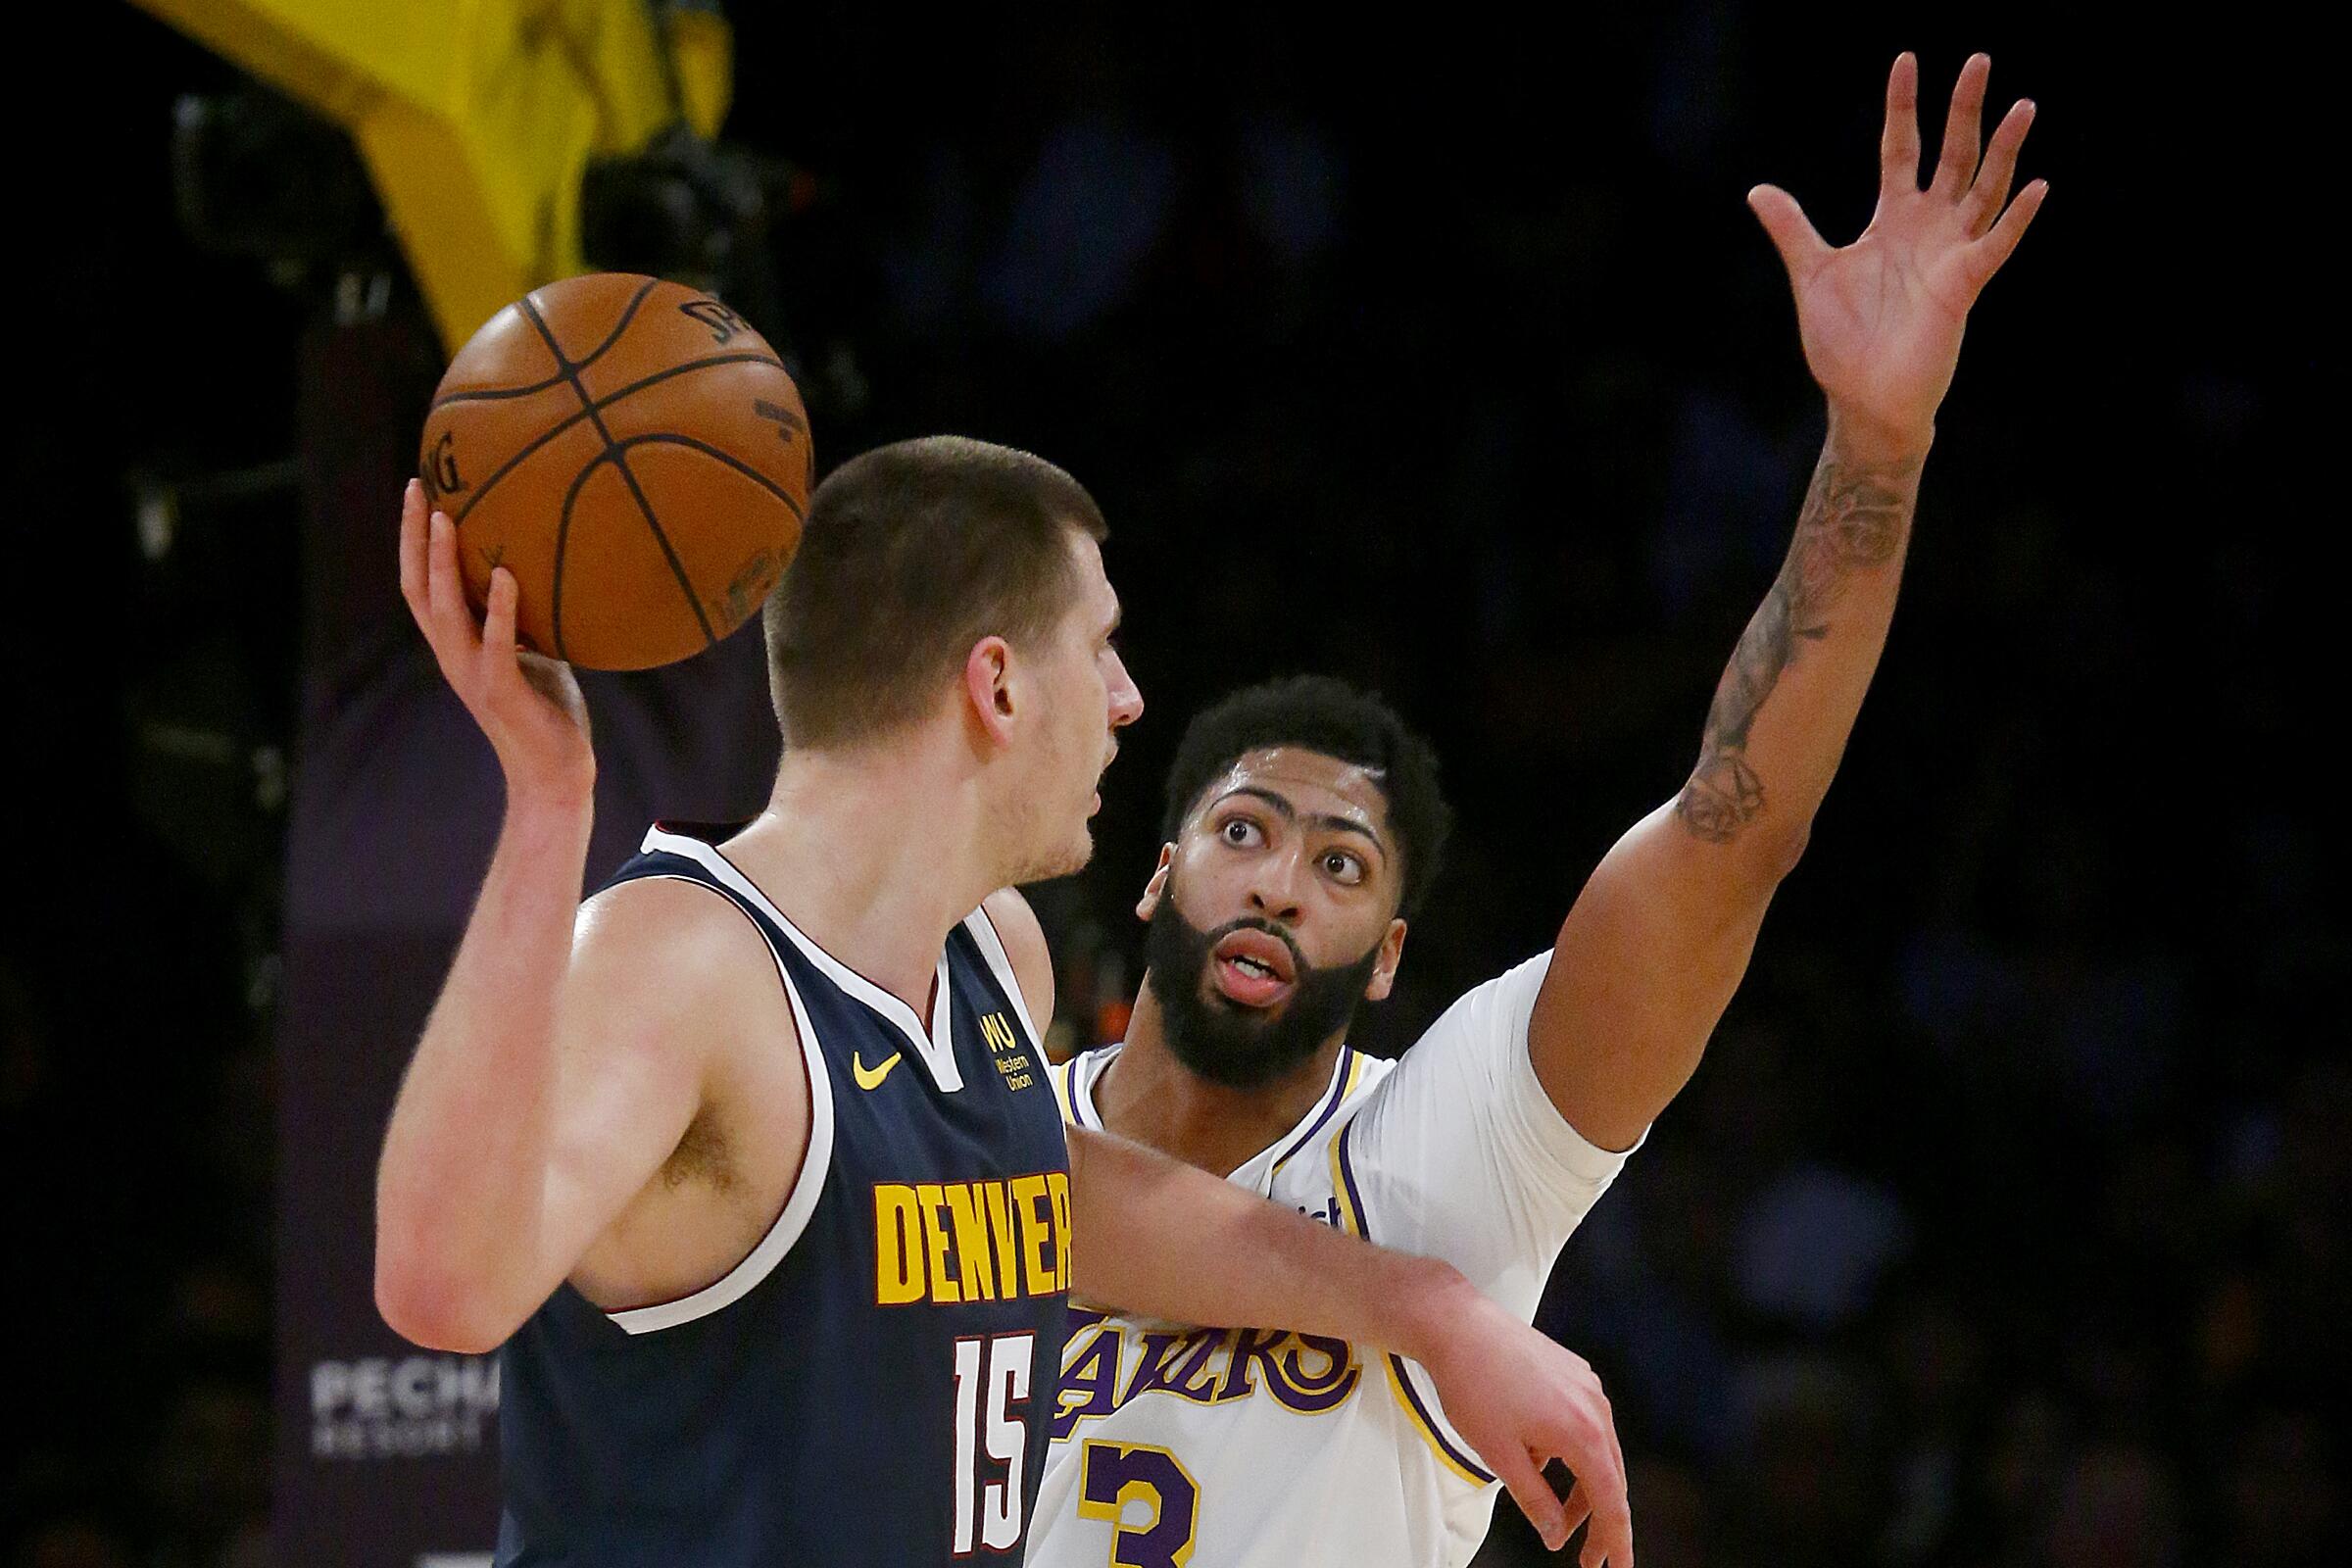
(1149, 904)
(988, 694)
(1384, 972)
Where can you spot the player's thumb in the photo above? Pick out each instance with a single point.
(1534, 1498)
(1792, 233)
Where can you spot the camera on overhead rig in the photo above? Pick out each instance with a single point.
(504, 144)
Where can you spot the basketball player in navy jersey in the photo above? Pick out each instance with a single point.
(1304, 825)
(752, 1166)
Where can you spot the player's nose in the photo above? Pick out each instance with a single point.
(1274, 889)
(1126, 698)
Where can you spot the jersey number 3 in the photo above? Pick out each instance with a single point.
(992, 1383)
(1116, 1474)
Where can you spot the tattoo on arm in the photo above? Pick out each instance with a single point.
(1856, 516)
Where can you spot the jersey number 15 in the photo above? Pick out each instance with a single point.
(992, 1384)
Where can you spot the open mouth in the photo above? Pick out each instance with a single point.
(1095, 804)
(1253, 968)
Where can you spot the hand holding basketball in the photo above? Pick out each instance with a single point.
(530, 708)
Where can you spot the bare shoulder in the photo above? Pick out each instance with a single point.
(680, 1036)
(1025, 946)
(664, 949)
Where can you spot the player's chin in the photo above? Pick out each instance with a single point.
(1074, 856)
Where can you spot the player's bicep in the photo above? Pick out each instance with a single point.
(646, 1010)
(1644, 967)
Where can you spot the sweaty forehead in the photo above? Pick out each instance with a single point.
(1314, 783)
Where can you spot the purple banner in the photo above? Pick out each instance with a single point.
(388, 1455)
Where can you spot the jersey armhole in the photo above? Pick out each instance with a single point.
(806, 1187)
(1425, 1415)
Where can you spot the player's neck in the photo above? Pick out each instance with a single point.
(1150, 1096)
(875, 857)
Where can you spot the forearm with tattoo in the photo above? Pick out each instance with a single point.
(1856, 519)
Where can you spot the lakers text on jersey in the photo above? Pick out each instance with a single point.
(1256, 1447)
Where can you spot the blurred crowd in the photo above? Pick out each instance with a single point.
(2008, 1222)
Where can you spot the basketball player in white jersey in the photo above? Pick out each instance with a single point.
(624, 1152)
(1304, 825)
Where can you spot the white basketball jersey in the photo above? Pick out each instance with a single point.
(1261, 1449)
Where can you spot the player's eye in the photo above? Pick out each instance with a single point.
(1342, 868)
(1240, 832)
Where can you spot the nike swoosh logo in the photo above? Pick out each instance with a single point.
(871, 1077)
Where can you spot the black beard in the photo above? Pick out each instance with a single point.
(1224, 1042)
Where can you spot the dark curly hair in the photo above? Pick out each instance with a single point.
(1321, 714)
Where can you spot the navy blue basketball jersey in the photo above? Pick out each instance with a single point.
(873, 1382)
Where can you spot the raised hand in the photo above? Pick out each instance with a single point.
(529, 707)
(1881, 318)
(1520, 1400)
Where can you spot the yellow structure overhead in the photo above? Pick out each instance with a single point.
(477, 117)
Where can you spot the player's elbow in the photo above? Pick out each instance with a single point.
(435, 1309)
(1779, 849)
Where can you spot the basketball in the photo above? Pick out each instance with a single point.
(634, 453)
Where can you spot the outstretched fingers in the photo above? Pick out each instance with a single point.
(1793, 235)
(1986, 197)
(1986, 256)
(1963, 130)
(1898, 143)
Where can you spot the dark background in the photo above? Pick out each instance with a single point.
(2007, 1220)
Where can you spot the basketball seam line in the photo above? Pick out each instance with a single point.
(673, 438)
(614, 455)
(494, 394)
(628, 313)
(677, 568)
(606, 402)
(579, 481)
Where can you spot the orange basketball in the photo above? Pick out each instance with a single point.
(634, 453)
